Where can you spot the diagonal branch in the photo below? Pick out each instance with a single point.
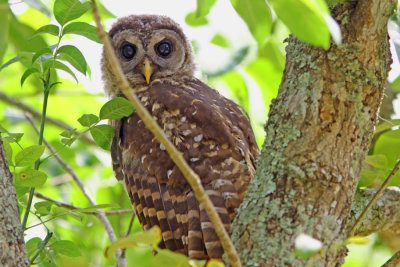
(375, 198)
(384, 214)
(192, 178)
(101, 216)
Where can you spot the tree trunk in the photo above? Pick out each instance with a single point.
(317, 136)
(12, 246)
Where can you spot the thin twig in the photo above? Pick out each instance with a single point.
(373, 200)
(41, 136)
(72, 207)
(129, 231)
(7, 99)
(192, 178)
(101, 216)
(41, 247)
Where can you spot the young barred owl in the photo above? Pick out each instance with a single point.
(212, 132)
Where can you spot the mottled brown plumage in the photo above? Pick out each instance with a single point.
(212, 132)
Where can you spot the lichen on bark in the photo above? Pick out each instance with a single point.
(317, 136)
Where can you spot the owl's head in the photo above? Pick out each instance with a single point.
(149, 48)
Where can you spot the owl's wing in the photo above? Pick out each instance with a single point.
(215, 138)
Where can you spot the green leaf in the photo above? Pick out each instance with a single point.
(72, 55)
(44, 51)
(28, 155)
(20, 37)
(237, 87)
(377, 161)
(30, 178)
(61, 66)
(27, 73)
(66, 247)
(270, 50)
(359, 240)
(13, 137)
(257, 15)
(267, 76)
(191, 19)
(150, 237)
(204, 7)
(166, 257)
(68, 141)
(198, 17)
(9, 152)
(305, 19)
(84, 29)
(68, 133)
(50, 29)
(43, 207)
(88, 120)
(393, 133)
(103, 135)
(220, 40)
(21, 191)
(215, 263)
(116, 108)
(387, 125)
(5, 13)
(11, 61)
(67, 10)
(32, 245)
(395, 84)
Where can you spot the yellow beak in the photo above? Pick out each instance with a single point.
(147, 69)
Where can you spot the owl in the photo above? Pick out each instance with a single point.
(212, 133)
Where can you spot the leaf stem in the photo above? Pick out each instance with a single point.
(41, 247)
(37, 163)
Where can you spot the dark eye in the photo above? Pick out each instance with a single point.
(164, 48)
(128, 51)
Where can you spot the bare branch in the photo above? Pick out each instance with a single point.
(72, 207)
(192, 178)
(375, 198)
(384, 214)
(101, 216)
(7, 99)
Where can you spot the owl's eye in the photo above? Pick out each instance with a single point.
(128, 51)
(164, 48)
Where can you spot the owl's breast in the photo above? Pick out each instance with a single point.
(211, 158)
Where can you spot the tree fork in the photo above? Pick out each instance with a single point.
(317, 136)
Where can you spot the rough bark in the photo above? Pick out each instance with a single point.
(317, 136)
(12, 246)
